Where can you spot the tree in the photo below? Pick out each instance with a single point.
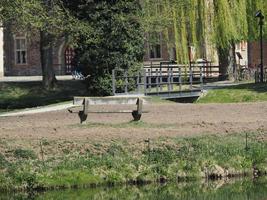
(49, 18)
(116, 42)
(184, 24)
(230, 27)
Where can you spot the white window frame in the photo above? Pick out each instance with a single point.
(16, 50)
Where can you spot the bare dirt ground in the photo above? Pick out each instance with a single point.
(168, 120)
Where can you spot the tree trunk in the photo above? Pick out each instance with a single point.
(224, 62)
(46, 49)
(227, 63)
(232, 70)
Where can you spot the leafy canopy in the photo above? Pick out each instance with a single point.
(116, 40)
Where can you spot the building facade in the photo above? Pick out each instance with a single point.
(20, 54)
(254, 54)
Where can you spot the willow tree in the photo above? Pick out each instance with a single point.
(253, 28)
(230, 27)
(204, 24)
(182, 24)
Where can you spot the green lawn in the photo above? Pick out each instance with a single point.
(31, 94)
(249, 92)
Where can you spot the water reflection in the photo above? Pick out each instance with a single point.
(219, 190)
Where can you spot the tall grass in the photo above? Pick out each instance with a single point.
(165, 159)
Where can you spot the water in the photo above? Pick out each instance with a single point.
(219, 190)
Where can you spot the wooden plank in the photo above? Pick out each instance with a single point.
(106, 100)
(117, 111)
(139, 106)
(86, 106)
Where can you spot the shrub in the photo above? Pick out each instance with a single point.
(24, 153)
(116, 40)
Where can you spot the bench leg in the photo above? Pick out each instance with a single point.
(82, 116)
(136, 116)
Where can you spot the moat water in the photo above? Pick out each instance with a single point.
(212, 190)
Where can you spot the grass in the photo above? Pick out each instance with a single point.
(31, 94)
(120, 162)
(249, 92)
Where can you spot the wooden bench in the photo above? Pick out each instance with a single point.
(86, 102)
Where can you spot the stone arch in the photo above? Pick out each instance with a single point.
(61, 53)
(64, 51)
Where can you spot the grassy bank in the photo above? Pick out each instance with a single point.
(66, 164)
(249, 92)
(31, 94)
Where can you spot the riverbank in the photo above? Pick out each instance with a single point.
(84, 164)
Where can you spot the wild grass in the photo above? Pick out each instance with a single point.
(249, 92)
(119, 162)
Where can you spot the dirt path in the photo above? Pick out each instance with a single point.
(162, 120)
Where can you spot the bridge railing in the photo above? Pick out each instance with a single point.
(171, 80)
(209, 70)
(164, 78)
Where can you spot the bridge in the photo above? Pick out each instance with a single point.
(166, 80)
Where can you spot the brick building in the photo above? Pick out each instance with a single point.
(20, 54)
(254, 54)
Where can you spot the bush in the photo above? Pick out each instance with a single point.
(116, 40)
(100, 85)
(3, 161)
(23, 153)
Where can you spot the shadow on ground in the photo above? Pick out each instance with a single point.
(31, 94)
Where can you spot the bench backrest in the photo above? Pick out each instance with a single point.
(105, 100)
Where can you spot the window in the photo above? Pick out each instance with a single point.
(20, 50)
(155, 46)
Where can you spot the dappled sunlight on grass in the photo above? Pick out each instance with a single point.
(32, 94)
(236, 94)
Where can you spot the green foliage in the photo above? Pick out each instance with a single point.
(116, 42)
(120, 162)
(3, 161)
(236, 94)
(48, 16)
(50, 20)
(253, 24)
(220, 23)
(24, 153)
(100, 85)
